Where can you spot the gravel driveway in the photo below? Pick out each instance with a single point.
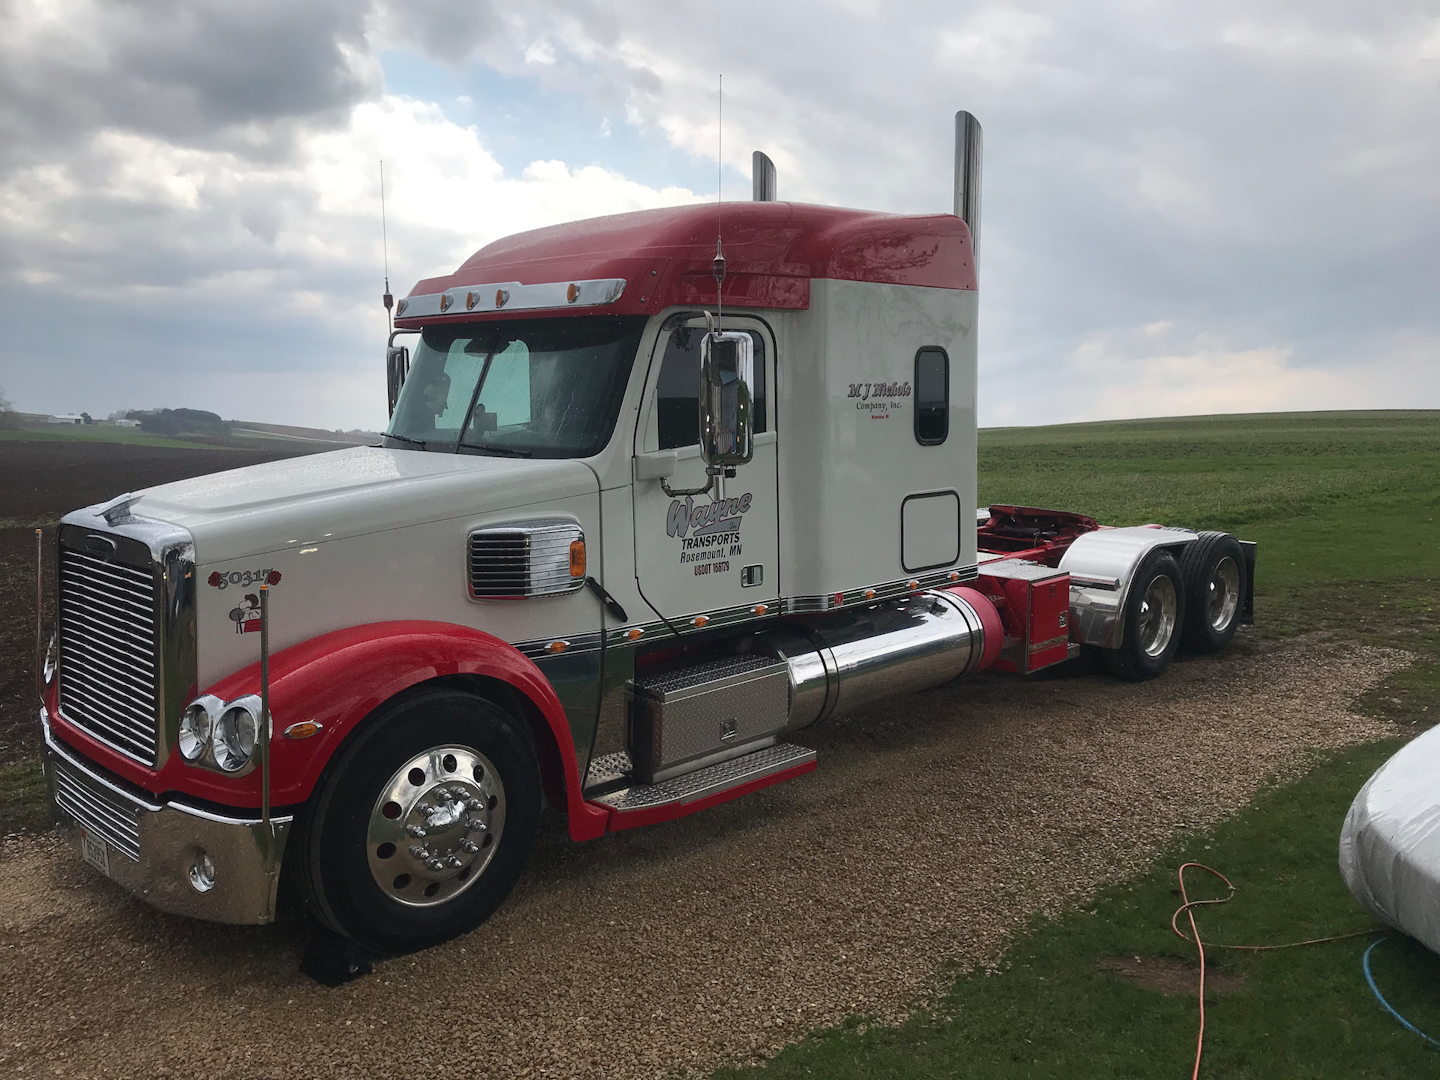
(937, 825)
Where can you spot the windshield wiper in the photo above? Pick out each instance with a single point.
(404, 438)
(498, 451)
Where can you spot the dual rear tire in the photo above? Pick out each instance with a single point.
(1196, 600)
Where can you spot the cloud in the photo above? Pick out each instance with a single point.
(1186, 208)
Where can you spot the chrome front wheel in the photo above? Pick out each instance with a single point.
(435, 825)
(423, 823)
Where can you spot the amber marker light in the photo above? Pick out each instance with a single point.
(470, 300)
(577, 558)
(302, 730)
(954, 575)
(912, 585)
(760, 609)
(572, 293)
(500, 297)
(699, 620)
(558, 646)
(869, 594)
(634, 634)
(445, 301)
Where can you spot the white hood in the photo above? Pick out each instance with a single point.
(345, 493)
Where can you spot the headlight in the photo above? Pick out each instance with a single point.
(234, 738)
(194, 731)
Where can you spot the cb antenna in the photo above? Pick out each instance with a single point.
(387, 299)
(718, 266)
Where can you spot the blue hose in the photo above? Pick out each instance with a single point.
(1381, 998)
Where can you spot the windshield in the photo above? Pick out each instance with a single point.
(545, 388)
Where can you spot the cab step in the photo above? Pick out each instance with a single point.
(643, 804)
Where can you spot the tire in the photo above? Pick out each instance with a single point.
(1154, 616)
(453, 766)
(1215, 585)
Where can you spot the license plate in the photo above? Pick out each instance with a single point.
(95, 851)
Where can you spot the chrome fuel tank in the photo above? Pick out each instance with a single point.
(842, 662)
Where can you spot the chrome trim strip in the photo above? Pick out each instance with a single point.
(539, 649)
(471, 300)
(885, 590)
(140, 802)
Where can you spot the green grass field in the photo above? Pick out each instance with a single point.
(96, 433)
(1343, 506)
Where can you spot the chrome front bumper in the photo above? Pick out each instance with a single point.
(149, 846)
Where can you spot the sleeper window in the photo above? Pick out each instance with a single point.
(932, 396)
(678, 390)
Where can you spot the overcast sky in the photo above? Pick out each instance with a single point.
(1187, 208)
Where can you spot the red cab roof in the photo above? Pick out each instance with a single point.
(772, 251)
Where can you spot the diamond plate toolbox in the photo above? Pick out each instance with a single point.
(704, 713)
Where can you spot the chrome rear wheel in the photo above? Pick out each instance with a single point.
(1158, 610)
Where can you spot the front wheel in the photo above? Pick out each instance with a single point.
(424, 823)
(1153, 617)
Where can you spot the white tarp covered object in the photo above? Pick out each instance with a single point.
(1390, 844)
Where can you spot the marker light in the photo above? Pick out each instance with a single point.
(303, 730)
(634, 633)
(577, 558)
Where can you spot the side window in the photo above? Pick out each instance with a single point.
(678, 388)
(932, 396)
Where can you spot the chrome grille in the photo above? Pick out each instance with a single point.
(98, 809)
(108, 674)
(523, 560)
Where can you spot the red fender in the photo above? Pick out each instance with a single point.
(338, 679)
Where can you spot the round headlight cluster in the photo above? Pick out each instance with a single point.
(194, 731)
(220, 733)
(234, 739)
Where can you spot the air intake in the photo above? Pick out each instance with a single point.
(534, 559)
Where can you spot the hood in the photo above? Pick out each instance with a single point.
(351, 492)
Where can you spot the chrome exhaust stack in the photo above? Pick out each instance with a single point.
(762, 178)
(848, 660)
(968, 140)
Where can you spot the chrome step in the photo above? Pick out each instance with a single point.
(711, 780)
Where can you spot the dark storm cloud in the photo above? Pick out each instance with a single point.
(196, 72)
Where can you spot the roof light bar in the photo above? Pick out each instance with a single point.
(512, 296)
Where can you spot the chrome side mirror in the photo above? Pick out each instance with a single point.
(397, 366)
(727, 368)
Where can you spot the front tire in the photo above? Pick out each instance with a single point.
(1154, 615)
(424, 823)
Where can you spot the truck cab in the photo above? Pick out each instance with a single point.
(650, 502)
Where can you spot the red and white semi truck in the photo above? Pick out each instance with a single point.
(618, 545)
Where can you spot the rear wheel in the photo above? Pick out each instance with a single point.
(424, 825)
(1214, 571)
(1153, 616)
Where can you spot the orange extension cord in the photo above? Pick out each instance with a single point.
(1187, 908)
